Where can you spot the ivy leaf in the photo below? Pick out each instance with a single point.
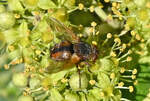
(144, 82)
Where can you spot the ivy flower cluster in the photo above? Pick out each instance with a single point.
(118, 28)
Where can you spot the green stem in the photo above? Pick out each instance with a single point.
(99, 11)
(69, 11)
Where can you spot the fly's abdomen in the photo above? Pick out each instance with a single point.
(62, 51)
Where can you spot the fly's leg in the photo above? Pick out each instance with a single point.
(79, 75)
(89, 65)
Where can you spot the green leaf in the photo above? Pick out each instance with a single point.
(46, 4)
(144, 59)
(144, 82)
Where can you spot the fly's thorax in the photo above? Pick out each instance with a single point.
(83, 50)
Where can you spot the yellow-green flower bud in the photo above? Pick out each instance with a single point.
(19, 79)
(78, 82)
(25, 98)
(7, 20)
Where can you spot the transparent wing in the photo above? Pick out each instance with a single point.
(56, 66)
(57, 26)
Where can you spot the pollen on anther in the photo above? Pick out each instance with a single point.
(17, 16)
(114, 4)
(118, 5)
(112, 75)
(129, 51)
(142, 40)
(38, 52)
(94, 43)
(92, 82)
(93, 24)
(109, 35)
(45, 88)
(32, 75)
(11, 48)
(33, 47)
(100, 5)
(25, 93)
(32, 68)
(80, 27)
(127, 27)
(131, 89)
(133, 33)
(137, 36)
(121, 49)
(124, 46)
(92, 9)
(129, 58)
(133, 77)
(64, 80)
(109, 17)
(102, 94)
(41, 70)
(36, 13)
(91, 29)
(122, 70)
(129, 44)
(80, 35)
(27, 90)
(81, 6)
(117, 40)
(135, 82)
(97, 32)
(121, 84)
(134, 71)
(148, 4)
(107, 1)
(113, 54)
(17, 61)
(6, 66)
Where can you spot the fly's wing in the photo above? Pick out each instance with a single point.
(59, 27)
(56, 66)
